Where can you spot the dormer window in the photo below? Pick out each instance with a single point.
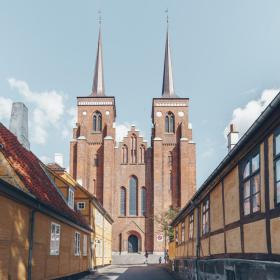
(97, 122)
(71, 198)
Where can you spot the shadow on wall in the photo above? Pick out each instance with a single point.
(14, 245)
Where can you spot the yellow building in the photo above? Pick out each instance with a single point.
(94, 213)
(41, 237)
(231, 227)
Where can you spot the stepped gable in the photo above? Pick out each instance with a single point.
(30, 170)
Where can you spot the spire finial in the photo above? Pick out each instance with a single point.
(99, 17)
(167, 17)
(98, 88)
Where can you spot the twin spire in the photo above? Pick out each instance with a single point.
(98, 88)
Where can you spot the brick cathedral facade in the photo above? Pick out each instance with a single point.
(134, 181)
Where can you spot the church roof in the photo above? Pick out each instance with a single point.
(31, 172)
(98, 88)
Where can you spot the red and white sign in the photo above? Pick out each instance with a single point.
(160, 237)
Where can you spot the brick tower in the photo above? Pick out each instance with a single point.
(174, 166)
(92, 146)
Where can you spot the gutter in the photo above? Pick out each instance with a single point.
(30, 241)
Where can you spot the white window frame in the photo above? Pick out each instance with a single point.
(85, 245)
(55, 239)
(71, 198)
(77, 244)
(81, 203)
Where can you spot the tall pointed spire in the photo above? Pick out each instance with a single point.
(168, 82)
(98, 88)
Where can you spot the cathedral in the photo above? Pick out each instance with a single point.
(135, 182)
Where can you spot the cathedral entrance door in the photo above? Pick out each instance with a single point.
(132, 244)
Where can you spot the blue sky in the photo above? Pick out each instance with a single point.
(226, 59)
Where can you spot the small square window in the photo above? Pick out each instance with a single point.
(81, 205)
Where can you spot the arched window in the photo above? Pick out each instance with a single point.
(143, 201)
(97, 121)
(133, 196)
(142, 154)
(123, 202)
(133, 148)
(169, 123)
(124, 154)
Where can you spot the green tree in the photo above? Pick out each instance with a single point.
(163, 220)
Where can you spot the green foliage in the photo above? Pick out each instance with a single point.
(164, 219)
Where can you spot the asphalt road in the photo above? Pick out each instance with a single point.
(131, 272)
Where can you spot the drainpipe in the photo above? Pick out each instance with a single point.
(30, 240)
(197, 241)
(103, 242)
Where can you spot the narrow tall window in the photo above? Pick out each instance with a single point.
(251, 184)
(143, 201)
(133, 196)
(205, 216)
(277, 166)
(71, 198)
(170, 159)
(169, 123)
(124, 154)
(133, 148)
(176, 235)
(77, 250)
(55, 239)
(85, 246)
(191, 220)
(142, 154)
(97, 122)
(123, 202)
(183, 232)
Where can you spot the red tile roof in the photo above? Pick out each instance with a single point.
(29, 169)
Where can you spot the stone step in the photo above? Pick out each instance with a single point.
(135, 259)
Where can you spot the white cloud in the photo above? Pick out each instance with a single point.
(45, 159)
(244, 117)
(5, 108)
(47, 110)
(122, 130)
(50, 102)
(70, 123)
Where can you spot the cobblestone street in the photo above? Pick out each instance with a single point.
(131, 272)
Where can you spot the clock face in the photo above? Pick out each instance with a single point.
(159, 114)
(107, 113)
(84, 113)
(181, 114)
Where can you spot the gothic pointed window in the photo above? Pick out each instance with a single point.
(143, 201)
(123, 202)
(133, 148)
(133, 182)
(124, 154)
(169, 123)
(142, 154)
(97, 122)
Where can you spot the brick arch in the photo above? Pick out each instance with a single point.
(138, 235)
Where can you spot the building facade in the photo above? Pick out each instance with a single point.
(134, 181)
(41, 237)
(230, 228)
(93, 212)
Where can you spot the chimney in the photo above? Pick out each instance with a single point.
(58, 158)
(19, 123)
(233, 137)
